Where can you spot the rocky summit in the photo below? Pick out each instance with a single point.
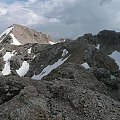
(19, 35)
(41, 79)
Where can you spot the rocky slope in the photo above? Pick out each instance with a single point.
(69, 92)
(19, 35)
(72, 80)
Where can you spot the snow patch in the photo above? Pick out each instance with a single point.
(116, 56)
(98, 46)
(5, 33)
(49, 68)
(2, 49)
(65, 52)
(15, 41)
(85, 65)
(7, 57)
(23, 69)
(52, 43)
(29, 50)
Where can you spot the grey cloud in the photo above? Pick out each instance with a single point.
(78, 18)
(69, 18)
(103, 2)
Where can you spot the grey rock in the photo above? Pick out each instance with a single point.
(95, 58)
(102, 73)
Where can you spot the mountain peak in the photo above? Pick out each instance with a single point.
(18, 35)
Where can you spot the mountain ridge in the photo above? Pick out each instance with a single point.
(19, 35)
(73, 79)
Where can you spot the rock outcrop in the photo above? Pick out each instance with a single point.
(107, 41)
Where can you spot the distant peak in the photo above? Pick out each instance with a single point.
(24, 35)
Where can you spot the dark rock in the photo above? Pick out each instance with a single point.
(108, 37)
(8, 90)
(95, 58)
(102, 73)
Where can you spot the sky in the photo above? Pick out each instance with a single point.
(61, 18)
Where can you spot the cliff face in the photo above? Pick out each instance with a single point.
(108, 41)
(109, 37)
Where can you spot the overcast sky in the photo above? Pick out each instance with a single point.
(61, 18)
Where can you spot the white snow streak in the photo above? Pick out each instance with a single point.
(85, 65)
(116, 56)
(23, 69)
(2, 49)
(98, 46)
(7, 57)
(29, 50)
(52, 43)
(65, 52)
(5, 33)
(49, 68)
(15, 41)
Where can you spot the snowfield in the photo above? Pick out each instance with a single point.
(23, 69)
(15, 41)
(7, 57)
(116, 56)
